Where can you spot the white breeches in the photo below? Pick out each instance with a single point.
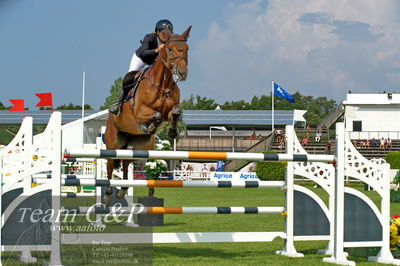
(136, 63)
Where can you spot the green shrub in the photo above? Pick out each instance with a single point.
(394, 195)
(393, 158)
(271, 170)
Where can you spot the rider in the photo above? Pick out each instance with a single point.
(144, 55)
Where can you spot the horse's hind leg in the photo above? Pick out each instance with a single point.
(173, 117)
(122, 192)
(109, 190)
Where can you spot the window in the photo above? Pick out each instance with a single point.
(357, 126)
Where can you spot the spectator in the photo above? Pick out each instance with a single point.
(388, 143)
(323, 128)
(362, 144)
(355, 143)
(212, 168)
(278, 134)
(308, 127)
(318, 136)
(204, 171)
(382, 143)
(373, 143)
(281, 143)
(304, 142)
(329, 147)
(367, 143)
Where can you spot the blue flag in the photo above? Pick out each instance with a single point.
(280, 92)
(220, 166)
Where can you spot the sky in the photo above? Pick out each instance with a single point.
(316, 47)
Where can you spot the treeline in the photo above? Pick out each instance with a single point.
(317, 108)
(69, 106)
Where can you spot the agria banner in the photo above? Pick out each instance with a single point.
(228, 176)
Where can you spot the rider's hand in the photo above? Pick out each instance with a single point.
(159, 48)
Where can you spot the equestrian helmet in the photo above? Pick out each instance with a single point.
(164, 23)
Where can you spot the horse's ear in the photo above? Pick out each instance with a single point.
(164, 35)
(185, 34)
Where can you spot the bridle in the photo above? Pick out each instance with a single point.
(172, 69)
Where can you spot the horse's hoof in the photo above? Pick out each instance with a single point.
(143, 128)
(172, 134)
(106, 200)
(176, 110)
(121, 193)
(151, 129)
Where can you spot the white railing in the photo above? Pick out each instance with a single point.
(374, 134)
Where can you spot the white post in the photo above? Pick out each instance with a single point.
(55, 258)
(339, 256)
(272, 100)
(83, 106)
(289, 249)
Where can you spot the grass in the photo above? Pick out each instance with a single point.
(211, 253)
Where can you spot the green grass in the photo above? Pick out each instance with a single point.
(215, 253)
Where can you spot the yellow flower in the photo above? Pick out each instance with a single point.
(284, 214)
(393, 229)
(397, 221)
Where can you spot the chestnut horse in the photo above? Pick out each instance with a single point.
(156, 100)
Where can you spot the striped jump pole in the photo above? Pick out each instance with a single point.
(65, 176)
(172, 210)
(170, 183)
(78, 195)
(195, 155)
(79, 160)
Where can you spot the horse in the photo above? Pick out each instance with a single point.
(156, 99)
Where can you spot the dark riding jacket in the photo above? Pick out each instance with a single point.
(146, 51)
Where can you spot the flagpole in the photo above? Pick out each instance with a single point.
(272, 99)
(83, 105)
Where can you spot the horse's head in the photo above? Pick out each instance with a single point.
(175, 52)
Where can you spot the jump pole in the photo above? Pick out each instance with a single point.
(194, 155)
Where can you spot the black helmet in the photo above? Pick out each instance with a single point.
(164, 23)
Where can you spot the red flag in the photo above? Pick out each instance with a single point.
(46, 99)
(18, 105)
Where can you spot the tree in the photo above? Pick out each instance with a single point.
(196, 102)
(72, 106)
(3, 107)
(114, 93)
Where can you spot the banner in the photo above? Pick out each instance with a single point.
(231, 176)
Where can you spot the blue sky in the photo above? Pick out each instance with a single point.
(321, 48)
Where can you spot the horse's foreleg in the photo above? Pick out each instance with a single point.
(122, 192)
(155, 122)
(173, 117)
(109, 190)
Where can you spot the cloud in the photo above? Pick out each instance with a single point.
(318, 47)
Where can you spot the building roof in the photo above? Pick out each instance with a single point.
(373, 99)
(42, 116)
(242, 117)
(190, 117)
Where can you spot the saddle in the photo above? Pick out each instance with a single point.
(131, 82)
